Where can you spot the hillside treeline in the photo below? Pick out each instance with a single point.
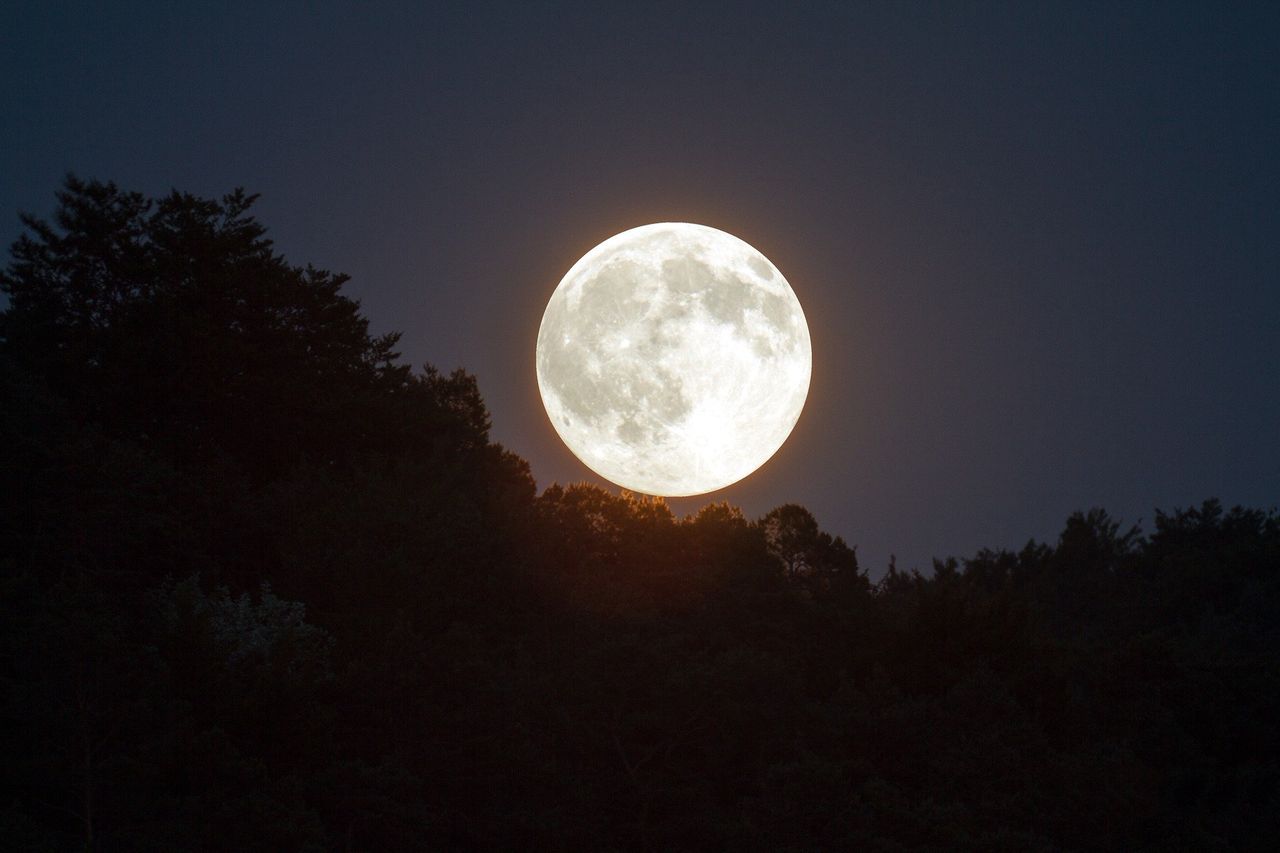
(267, 588)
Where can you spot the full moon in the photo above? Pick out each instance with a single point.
(673, 359)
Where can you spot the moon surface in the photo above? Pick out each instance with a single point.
(673, 359)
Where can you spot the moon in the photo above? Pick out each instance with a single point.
(673, 359)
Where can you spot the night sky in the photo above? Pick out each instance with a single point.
(1037, 244)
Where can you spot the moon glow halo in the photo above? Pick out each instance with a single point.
(673, 359)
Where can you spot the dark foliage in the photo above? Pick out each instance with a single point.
(265, 588)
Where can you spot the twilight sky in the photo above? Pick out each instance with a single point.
(1037, 243)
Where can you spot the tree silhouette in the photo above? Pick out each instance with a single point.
(172, 322)
(263, 587)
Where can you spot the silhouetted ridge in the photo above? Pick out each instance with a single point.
(266, 588)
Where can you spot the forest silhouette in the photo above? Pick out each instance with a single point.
(265, 587)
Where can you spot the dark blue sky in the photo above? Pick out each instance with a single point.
(1037, 243)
